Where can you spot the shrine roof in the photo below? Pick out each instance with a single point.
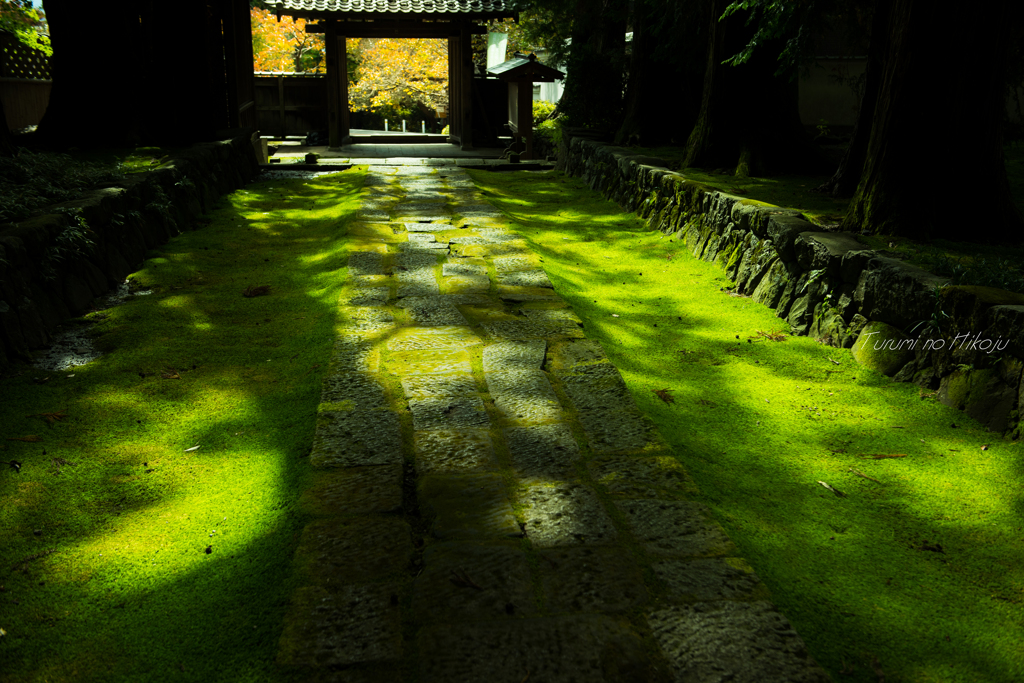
(368, 9)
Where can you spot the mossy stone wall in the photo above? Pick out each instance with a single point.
(829, 285)
(40, 289)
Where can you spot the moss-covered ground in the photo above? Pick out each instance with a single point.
(150, 531)
(914, 573)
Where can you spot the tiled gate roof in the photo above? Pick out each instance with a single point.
(437, 8)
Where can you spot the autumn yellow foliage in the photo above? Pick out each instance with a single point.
(400, 72)
(284, 45)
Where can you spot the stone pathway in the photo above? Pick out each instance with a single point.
(490, 506)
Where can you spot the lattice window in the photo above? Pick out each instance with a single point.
(20, 61)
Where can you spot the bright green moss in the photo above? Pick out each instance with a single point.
(112, 513)
(759, 423)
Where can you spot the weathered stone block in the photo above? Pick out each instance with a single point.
(515, 330)
(523, 396)
(606, 409)
(350, 438)
(338, 552)
(897, 293)
(354, 625)
(566, 649)
(635, 477)
(467, 507)
(355, 490)
(514, 355)
(743, 642)
(564, 514)
(543, 451)
(430, 361)
(712, 578)
(591, 580)
(368, 296)
(825, 250)
(581, 352)
(463, 582)
(448, 412)
(433, 310)
(679, 528)
(425, 386)
(352, 391)
(454, 451)
(526, 278)
(769, 290)
(883, 348)
(367, 319)
(411, 338)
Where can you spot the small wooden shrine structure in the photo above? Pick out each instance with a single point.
(521, 72)
(454, 20)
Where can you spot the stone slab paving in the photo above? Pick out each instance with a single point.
(487, 503)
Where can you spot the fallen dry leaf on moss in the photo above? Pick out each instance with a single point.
(51, 417)
(461, 579)
(931, 547)
(883, 456)
(170, 375)
(31, 438)
(664, 395)
(832, 489)
(253, 290)
(774, 335)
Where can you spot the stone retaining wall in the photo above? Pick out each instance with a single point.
(963, 343)
(45, 280)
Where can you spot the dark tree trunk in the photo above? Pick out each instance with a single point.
(636, 107)
(748, 119)
(6, 139)
(188, 100)
(96, 75)
(843, 182)
(593, 85)
(134, 71)
(939, 116)
(662, 93)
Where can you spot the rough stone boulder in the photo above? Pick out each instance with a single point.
(883, 347)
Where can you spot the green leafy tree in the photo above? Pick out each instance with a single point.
(920, 89)
(19, 19)
(939, 116)
(749, 119)
(588, 37)
(669, 46)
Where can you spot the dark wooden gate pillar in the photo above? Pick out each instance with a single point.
(464, 76)
(337, 87)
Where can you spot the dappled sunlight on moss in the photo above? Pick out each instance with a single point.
(116, 491)
(922, 544)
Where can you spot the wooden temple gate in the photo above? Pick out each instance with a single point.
(453, 20)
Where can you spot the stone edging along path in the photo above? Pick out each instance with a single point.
(489, 504)
(964, 343)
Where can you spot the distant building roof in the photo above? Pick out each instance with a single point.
(369, 9)
(525, 68)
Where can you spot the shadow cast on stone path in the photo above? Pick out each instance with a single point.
(489, 504)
